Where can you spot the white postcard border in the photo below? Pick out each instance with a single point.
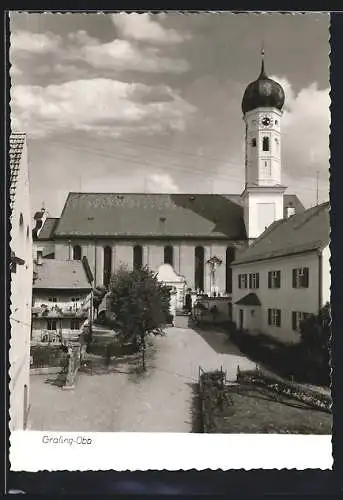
(34, 451)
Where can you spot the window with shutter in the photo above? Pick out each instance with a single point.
(269, 316)
(294, 320)
(278, 280)
(269, 279)
(278, 317)
(239, 281)
(294, 278)
(305, 277)
(257, 280)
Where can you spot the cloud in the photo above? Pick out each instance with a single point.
(161, 183)
(97, 105)
(80, 48)
(305, 129)
(121, 55)
(34, 43)
(143, 28)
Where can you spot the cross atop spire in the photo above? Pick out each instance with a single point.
(263, 73)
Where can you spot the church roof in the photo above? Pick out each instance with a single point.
(139, 215)
(60, 275)
(302, 232)
(16, 147)
(152, 215)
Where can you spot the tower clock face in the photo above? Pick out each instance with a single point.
(266, 121)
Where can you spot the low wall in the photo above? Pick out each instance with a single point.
(47, 370)
(211, 392)
(212, 309)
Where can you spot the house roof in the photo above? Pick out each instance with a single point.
(16, 147)
(154, 215)
(302, 232)
(47, 231)
(60, 274)
(249, 300)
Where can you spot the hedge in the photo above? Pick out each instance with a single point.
(48, 356)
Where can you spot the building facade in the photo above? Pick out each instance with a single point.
(284, 275)
(21, 282)
(62, 300)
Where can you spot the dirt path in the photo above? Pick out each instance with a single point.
(160, 400)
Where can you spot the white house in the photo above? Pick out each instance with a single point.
(61, 299)
(21, 282)
(284, 275)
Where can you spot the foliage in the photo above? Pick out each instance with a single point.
(45, 356)
(315, 334)
(139, 304)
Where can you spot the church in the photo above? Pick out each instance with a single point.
(183, 230)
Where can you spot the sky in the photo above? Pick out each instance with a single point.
(152, 103)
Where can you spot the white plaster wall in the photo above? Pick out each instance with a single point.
(286, 297)
(153, 256)
(326, 275)
(256, 157)
(253, 200)
(124, 254)
(21, 298)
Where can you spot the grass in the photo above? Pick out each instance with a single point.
(250, 409)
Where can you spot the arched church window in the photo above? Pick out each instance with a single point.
(265, 144)
(77, 254)
(199, 254)
(107, 265)
(168, 255)
(230, 257)
(137, 257)
(253, 143)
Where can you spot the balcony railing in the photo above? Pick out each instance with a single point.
(45, 311)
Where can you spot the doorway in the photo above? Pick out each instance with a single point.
(241, 319)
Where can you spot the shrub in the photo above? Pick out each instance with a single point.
(47, 356)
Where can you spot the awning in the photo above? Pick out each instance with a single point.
(249, 300)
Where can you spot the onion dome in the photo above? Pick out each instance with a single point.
(263, 93)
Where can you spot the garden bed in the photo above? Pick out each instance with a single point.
(250, 407)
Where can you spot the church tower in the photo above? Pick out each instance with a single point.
(263, 195)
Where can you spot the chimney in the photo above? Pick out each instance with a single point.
(290, 211)
(39, 257)
(40, 218)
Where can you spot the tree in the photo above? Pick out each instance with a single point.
(315, 333)
(138, 302)
(98, 296)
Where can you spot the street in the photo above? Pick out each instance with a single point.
(120, 399)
